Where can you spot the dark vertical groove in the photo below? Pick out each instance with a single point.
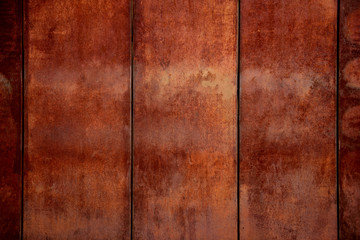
(337, 119)
(132, 117)
(238, 121)
(22, 117)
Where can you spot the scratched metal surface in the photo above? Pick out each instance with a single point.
(349, 115)
(10, 119)
(185, 119)
(77, 116)
(287, 122)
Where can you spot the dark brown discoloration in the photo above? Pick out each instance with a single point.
(10, 119)
(351, 26)
(77, 134)
(185, 119)
(287, 124)
(349, 89)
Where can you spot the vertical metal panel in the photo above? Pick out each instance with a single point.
(77, 163)
(185, 119)
(10, 118)
(349, 115)
(287, 124)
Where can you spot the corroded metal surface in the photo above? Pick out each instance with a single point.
(10, 119)
(349, 116)
(287, 119)
(77, 115)
(185, 119)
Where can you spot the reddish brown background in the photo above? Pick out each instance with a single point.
(287, 119)
(77, 163)
(79, 183)
(10, 118)
(349, 116)
(185, 119)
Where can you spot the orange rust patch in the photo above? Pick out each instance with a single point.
(185, 120)
(287, 120)
(78, 120)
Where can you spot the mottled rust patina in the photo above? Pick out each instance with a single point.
(287, 119)
(77, 163)
(77, 119)
(185, 119)
(10, 119)
(349, 119)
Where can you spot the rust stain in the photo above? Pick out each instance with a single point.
(10, 119)
(287, 119)
(185, 120)
(77, 164)
(351, 73)
(352, 26)
(349, 89)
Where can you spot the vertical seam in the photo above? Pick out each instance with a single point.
(238, 119)
(131, 117)
(337, 119)
(22, 116)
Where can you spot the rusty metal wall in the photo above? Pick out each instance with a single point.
(10, 118)
(77, 162)
(185, 119)
(287, 119)
(80, 133)
(349, 117)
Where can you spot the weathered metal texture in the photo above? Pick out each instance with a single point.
(287, 119)
(349, 119)
(10, 118)
(185, 119)
(77, 163)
